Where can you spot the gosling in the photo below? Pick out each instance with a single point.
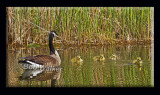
(114, 57)
(99, 58)
(137, 61)
(77, 59)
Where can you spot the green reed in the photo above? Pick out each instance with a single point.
(83, 25)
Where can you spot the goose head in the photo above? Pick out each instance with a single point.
(53, 33)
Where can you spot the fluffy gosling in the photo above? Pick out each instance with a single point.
(114, 57)
(77, 59)
(137, 61)
(99, 58)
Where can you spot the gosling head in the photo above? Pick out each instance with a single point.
(79, 60)
(138, 58)
(102, 58)
(114, 55)
(79, 57)
(101, 55)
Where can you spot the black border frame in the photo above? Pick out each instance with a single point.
(76, 3)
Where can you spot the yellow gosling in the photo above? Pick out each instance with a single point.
(77, 59)
(99, 58)
(114, 57)
(138, 61)
(140, 68)
(134, 61)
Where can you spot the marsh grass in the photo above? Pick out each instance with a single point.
(79, 25)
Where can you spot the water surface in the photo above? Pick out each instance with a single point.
(110, 73)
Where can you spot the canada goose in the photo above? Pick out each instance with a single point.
(114, 57)
(39, 61)
(137, 61)
(99, 58)
(77, 59)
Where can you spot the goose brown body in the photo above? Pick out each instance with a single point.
(43, 60)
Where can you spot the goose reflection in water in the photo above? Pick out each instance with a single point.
(41, 75)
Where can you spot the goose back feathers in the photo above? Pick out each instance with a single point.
(42, 60)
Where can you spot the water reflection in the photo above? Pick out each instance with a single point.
(108, 73)
(41, 75)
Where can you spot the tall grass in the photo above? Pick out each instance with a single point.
(79, 25)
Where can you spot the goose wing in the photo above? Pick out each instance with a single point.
(41, 59)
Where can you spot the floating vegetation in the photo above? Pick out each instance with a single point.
(79, 25)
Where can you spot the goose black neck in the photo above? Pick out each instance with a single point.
(52, 50)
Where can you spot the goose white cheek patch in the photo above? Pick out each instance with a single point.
(54, 34)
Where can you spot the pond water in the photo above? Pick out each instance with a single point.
(110, 73)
